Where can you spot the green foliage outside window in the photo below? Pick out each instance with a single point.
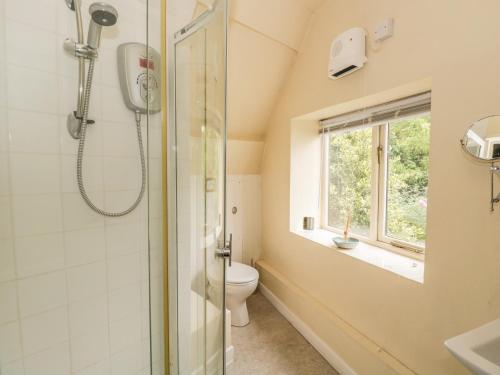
(350, 180)
(408, 165)
(349, 189)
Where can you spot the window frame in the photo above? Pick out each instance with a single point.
(379, 182)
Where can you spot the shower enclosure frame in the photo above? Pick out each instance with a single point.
(171, 173)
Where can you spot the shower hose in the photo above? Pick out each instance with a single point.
(81, 146)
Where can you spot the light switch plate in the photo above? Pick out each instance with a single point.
(384, 30)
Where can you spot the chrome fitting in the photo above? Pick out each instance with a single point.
(80, 50)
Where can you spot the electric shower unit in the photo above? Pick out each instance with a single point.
(139, 71)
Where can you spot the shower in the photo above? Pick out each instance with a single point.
(102, 15)
(73, 268)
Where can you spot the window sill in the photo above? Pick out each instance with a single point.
(401, 265)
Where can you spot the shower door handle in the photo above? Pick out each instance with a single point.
(227, 250)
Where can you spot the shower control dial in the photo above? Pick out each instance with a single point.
(148, 88)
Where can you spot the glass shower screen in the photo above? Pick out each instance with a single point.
(199, 143)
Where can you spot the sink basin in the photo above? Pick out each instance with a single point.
(478, 349)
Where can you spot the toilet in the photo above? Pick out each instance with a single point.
(241, 282)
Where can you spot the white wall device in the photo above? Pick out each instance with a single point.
(347, 53)
(139, 70)
(384, 30)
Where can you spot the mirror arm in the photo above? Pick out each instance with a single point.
(494, 169)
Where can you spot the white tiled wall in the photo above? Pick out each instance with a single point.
(74, 290)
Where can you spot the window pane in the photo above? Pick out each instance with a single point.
(349, 188)
(407, 171)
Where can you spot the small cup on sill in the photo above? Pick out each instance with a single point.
(308, 223)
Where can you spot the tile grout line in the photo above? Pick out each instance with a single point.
(11, 203)
(71, 267)
(61, 201)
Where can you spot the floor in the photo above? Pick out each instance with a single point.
(271, 345)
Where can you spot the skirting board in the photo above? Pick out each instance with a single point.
(330, 356)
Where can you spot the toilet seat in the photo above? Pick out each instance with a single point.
(239, 274)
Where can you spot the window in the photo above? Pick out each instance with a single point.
(377, 173)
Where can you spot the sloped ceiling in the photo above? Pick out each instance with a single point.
(264, 37)
(312, 5)
(258, 66)
(284, 21)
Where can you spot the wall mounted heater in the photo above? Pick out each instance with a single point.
(347, 53)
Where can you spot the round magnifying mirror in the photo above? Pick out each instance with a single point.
(482, 139)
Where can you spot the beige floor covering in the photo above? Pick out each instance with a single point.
(270, 345)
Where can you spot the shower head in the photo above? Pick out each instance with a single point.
(102, 14)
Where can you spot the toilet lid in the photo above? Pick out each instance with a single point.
(240, 274)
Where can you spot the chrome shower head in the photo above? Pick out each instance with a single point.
(102, 14)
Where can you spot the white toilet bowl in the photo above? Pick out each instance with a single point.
(241, 282)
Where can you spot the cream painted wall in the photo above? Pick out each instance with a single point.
(264, 36)
(457, 43)
(244, 157)
(254, 82)
(284, 21)
(271, 28)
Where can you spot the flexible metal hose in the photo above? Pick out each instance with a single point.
(81, 147)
